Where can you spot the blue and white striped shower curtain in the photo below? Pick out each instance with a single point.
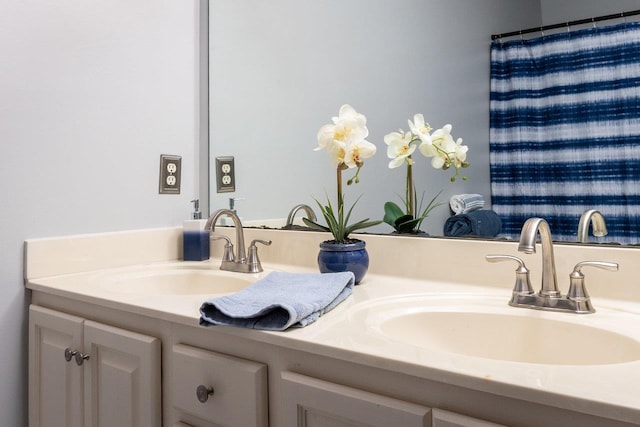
(565, 130)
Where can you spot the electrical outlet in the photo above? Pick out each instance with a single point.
(170, 170)
(225, 174)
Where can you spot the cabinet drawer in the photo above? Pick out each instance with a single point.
(314, 402)
(233, 391)
(449, 419)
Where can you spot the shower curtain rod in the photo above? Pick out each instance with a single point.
(566, 24)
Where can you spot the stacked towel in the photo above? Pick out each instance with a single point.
(279, 300)
(481, 223)
(465, 203)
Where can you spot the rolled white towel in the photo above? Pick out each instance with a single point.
(464, 203)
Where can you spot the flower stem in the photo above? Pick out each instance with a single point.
(411, 203)
(339, 186)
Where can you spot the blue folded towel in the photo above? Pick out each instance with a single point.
(481, 223)
(279, 300)
(465, 203)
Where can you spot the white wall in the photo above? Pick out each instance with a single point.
(91, 93)
(281, 69)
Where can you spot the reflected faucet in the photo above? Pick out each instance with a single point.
(528, 245)
(307, 209)
(598, 225)
(237, 262)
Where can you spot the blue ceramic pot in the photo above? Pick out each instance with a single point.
(338, 257)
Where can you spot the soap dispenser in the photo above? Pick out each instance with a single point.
(195, 239)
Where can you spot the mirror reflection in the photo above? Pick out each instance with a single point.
(280, 70)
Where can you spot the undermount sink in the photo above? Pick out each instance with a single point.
(174, 280)
(485, 327)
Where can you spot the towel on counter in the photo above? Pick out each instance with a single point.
(279, 300)
(465, 203)
(481, 223)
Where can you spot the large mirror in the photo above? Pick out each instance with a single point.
(280, 69)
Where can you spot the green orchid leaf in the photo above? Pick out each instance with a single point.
(365, 223)
(391, 213)
(407, 224)
(403, 220)
(314, 225)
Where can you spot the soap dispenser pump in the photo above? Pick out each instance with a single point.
(195, 239)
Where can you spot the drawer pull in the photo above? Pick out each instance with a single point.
(80, 358)
(203, 392)
(68, 354)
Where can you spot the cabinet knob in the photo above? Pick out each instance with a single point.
(68, 354)
(203, 392)
(80, 358)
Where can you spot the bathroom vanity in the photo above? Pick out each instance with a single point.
(114, 339)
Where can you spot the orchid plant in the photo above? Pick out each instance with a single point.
(345, 142)
(445, 153)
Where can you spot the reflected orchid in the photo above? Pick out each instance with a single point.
(420, 128)
(399, 148)
(444, 152)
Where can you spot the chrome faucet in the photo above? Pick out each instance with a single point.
(528, 245)
(598, 225)
(549, 297)
(307, 209)
(238, 261)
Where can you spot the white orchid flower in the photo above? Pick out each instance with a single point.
(439, 146)
(420, 129)
(325, 137)
(337, 151)
(427, 149)
(460, 152)
(442, 136)
(454, 149)
(357, 151)
(438, 161)
(348, 127)
(399, 147)
(348, 114)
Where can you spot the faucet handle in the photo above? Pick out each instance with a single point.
(577, 289)
(228, 247)
(522, 285)
(253, 261)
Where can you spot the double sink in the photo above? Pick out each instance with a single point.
(470, 324)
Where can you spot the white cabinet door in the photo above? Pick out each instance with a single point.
(55, 384)
(310, 402)
(122, 382)
(118, 383)
(450, 419)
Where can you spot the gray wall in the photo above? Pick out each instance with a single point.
(91, 93)
(281, 69)
(554, 11)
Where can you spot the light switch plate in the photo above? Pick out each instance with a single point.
(170, 171)
(225, 174)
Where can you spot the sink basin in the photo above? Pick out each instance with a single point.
(485, 327)
(174, 281)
